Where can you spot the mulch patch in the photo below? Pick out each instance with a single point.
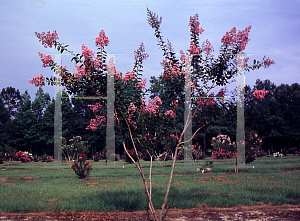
(291, 169)
(18, 178)
(236, 173)
(17, 168)
(258, 212)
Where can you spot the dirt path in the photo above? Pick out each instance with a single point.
(262, 212)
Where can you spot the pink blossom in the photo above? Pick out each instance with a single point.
(47, 39)
(95, 108)
(132, 107)
(94, 123)
(153, 105)
(102, 40)
(182, 56)
(142, 84)
(117, 75)
(86, 52)
(207, 101)
(260, 94)
(267, 62)
(129, 76)
(174, 103)
(207, 47)
(170, 113)
(240, 38)
(38, 80)
(194, 49)
(80, 72)
(47, 60)
(195, 25)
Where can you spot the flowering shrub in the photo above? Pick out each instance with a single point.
(45, 158)
(81, 167)
(223, 154)
(100, 156)
(196, 153)
(24, 157)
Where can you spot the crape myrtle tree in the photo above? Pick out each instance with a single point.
(207, 72)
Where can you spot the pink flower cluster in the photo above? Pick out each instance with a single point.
(267, 62)
(86, 52)
(95, 108)
(206, 101)
(194, 49)
(129, 76)
(174, 103)
(207, 47)
(171, 71)
(153, 105)
(260, 94)
(102, 40)
(142, 84)
(38, 80)
(47, 60)
(195, 25)
(182, 56)
(47, 39)
(223, 154)
(80, 72)
(117, 75)
(94, 123)
(240, 38)
(132, 107)
(170, 113)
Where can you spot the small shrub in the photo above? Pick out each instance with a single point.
(45, 158)
(82, 168)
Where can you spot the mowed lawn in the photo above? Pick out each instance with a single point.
(36, 187)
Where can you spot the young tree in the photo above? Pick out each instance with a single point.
(207, 72)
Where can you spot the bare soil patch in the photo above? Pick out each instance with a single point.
(291, 169)
(18, 178)
(259, 212)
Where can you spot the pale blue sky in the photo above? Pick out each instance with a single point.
(275, 33)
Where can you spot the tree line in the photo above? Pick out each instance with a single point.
(29, 125)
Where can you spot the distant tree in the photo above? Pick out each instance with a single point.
(4, 120)
(11, 98)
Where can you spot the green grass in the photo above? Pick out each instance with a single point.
(58, 189)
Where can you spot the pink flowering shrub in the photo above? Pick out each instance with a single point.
(223, 154)
(24, 157)
(46, 158)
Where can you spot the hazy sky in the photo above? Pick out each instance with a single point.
(275, 33)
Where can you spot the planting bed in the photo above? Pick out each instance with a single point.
(261, 212)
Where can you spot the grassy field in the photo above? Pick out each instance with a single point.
(34, 187)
